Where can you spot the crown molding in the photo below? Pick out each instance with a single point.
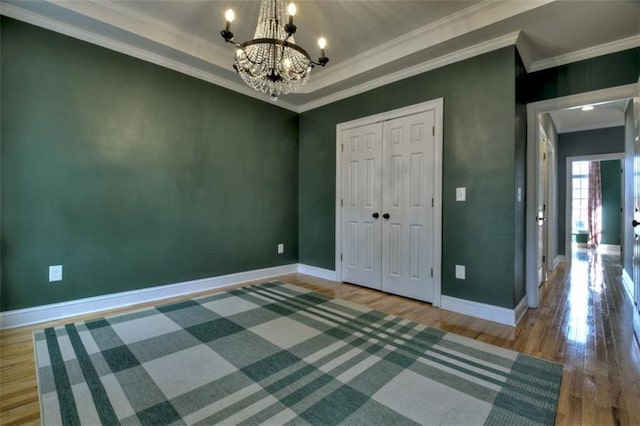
(145, 55)
(111, 13)
(459, 55)
(470, 19)
(523, 44)
(591, 52)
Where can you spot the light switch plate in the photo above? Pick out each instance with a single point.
(461, 194)
(280, 248)
(55, 273)
(460, 272)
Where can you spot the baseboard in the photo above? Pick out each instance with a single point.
(314, 271)
(479, 310)
(482, 310)
(558, 259)
(636, 324)
(475, 309)
(56, 311)
(609, 248)
(542, 288)
(627, 283)
(521, 309)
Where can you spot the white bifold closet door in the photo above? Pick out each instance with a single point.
(387, 207)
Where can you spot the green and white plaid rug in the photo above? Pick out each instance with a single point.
(279, 354)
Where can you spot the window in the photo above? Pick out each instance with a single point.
(580, 196)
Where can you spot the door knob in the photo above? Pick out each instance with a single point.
(635, 223)
(386, 216)
(375, 215)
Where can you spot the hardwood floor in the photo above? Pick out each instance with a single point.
(584, 322)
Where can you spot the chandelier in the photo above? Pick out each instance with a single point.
(272, 62)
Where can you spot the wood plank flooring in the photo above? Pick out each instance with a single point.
(584, 322)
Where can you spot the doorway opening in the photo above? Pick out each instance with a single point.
(594, 205)
(538, 116)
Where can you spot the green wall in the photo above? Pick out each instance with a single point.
(520, 145)
(478, 153)
(614, 69)
(131, 175)
(611, 201)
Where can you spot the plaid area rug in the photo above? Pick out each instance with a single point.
(279, 354)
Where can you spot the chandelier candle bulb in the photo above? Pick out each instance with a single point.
(291, 10)
(290, 28)
(229, 16)
(322, 42)
(226, 33)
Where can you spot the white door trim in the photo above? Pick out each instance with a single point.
(435, 105)
(533, 124)
(568, 202)
(552, 213)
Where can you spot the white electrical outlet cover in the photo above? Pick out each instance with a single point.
(280, 248)
(460, 272)
(55, 273)
(461, 194)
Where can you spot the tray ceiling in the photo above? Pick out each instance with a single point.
(370, 43)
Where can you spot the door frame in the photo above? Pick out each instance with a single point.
(552, 210)
(568, 202)
(636, 285)
(547, 218)
(551, 227)
(437, 106)
(534, 110)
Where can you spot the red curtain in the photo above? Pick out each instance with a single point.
(594, 206)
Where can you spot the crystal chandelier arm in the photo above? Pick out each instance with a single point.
(322, 61)
(274, 41)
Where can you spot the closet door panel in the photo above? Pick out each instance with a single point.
(407, 193)
(362, 192)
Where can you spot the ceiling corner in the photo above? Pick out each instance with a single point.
(523, 44)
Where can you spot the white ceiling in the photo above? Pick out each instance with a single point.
(370, 43)
(603, 114)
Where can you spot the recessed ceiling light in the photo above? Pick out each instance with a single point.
(586, 108)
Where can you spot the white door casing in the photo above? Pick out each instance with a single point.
(542, 210)
(636, 190)
(551, 212)
(412, 198)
